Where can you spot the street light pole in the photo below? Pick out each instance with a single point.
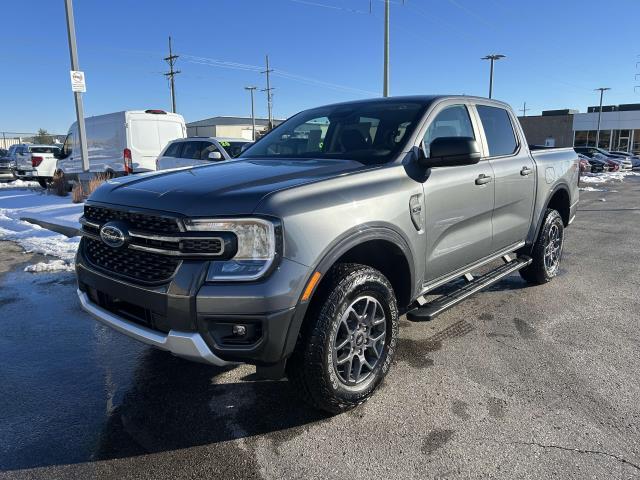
(601, 90)
(493, 58)
(385, 86)
(73, 53)
(253, 115)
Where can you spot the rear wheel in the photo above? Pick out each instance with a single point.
(547, 251)
(348, 340)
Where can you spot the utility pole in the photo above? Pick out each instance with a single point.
(269, 91)
(385, 85)
(253, 115)
(493, 58)
(601, 90)
(524, 109)
(171, 60)
(73, 53)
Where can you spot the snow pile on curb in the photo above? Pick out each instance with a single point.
(17, 203)
(593, 189)
(52, 266)
(20, 184)
(606, 177)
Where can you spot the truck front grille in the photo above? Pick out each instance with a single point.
(137, 265)
(137, 221)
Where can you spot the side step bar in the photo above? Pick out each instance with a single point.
(430, 310)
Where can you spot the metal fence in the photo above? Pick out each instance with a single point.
(12, 138)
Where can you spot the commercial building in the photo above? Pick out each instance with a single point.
(619, 128)
(235, 127)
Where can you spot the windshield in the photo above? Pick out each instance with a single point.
(233, 148)
(371, 133)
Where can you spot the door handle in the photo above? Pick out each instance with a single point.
(526, 171)
(483, 179)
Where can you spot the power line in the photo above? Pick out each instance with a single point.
(524, 109)
(171, 60)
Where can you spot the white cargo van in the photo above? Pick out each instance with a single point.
(121, 143)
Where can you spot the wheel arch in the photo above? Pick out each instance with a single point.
(360, 245)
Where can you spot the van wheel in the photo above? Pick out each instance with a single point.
(547, 251)
(348, 340)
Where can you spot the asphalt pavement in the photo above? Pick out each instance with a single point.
(517, 382)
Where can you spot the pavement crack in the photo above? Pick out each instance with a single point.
(579, 450)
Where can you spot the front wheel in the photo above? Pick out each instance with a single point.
(547, 251)
(348, 340)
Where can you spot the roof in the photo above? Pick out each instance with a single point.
(222, 120)
(423, 99)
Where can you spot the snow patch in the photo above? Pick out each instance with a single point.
(52, 266)
(16, 203)
(593, 189)
(20, 184)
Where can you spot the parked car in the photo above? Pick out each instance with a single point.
(623, 163)
(300, 256)
(635, 159)
(6, 166)
(36, 162)
(188, 152)
(121, 143)
(595, 165)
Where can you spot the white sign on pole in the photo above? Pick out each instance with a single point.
(77, 81)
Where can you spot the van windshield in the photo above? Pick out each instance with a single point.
(368, 132)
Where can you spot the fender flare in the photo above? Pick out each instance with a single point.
(538, 222)
(352, 238)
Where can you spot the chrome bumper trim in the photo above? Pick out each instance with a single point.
(189, 345)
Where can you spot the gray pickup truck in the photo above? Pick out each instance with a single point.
(300, 256)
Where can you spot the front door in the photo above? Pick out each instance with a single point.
(458, 201)
(514, 177)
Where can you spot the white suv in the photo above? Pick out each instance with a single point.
(187, 152)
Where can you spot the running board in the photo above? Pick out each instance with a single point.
(430, 310)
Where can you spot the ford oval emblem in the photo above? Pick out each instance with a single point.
(113, 235)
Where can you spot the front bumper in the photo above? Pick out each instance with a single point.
(195, 320)
(187, 345)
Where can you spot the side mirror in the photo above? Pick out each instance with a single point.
(216, 156)
(451, 152)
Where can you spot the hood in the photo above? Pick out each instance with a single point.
(226, 188)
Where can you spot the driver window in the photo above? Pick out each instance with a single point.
(453, 121)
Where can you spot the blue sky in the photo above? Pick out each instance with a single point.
(323, 51)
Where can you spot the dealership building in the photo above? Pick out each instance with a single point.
(619, 128)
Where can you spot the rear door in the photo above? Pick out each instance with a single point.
(514, 175)
(458, 200)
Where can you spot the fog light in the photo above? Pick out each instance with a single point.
(239, 330)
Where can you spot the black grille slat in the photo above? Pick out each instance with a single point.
(137, 221)
(141, 266)
(201, 245)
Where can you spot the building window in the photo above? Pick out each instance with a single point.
(580, 138)
(635, 148)
(605, 139)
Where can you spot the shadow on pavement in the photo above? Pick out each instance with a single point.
(174, 404)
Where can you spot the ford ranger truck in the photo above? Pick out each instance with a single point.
(300, 256)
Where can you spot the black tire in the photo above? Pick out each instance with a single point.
(43, 183)
(540, 272)
(312, 368)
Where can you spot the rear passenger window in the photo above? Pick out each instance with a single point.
(173, 150)
(498, 130)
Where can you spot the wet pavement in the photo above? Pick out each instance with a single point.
(517, 382)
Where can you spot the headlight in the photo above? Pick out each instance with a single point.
(256, 252)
